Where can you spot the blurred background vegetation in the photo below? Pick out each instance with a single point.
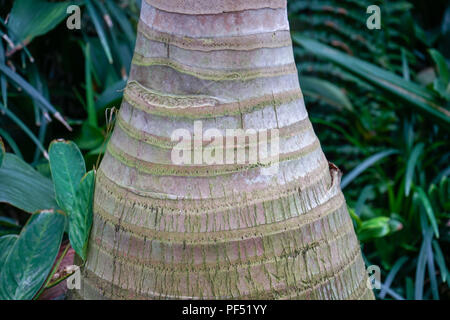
(379, 104)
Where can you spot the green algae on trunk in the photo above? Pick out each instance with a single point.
(168, 231)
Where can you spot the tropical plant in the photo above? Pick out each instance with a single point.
(391, 135)
(165, 230)
(104, 48)
(382, 118)
(27, 264)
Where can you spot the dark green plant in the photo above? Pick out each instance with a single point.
(35, 84)
(55, 206)
(392, 144)
(103, 46)
(395, 160)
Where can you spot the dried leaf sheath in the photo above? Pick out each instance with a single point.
(220, 231)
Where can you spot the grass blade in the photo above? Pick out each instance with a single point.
(2, 151)
(409, 288)
(40, 85)
(432, 272)
(441, 66)
(3, 91)
(33, 93)
(420, 270)
(325, 91)
(364, 165)
(391, 292)
(123, 22)
(414, 156)
(428, 209)
(439, 256)
(23, 126)
(99, 28)
(15, 148)
(391, 276)
(422, 99)
(405, 66)
(90, 103)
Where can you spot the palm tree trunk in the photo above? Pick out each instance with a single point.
(219, 231)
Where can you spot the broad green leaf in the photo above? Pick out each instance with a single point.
(364, 165)
(415, 154)
(2, 151)
(424, 100)
(31, 258)
(32, 18)
(326, 91)
(67, 167)
(80, 220)
(23, 187)
(6, 244)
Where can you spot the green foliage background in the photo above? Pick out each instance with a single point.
(380, 108)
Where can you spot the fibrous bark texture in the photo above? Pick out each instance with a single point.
(222, 231)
